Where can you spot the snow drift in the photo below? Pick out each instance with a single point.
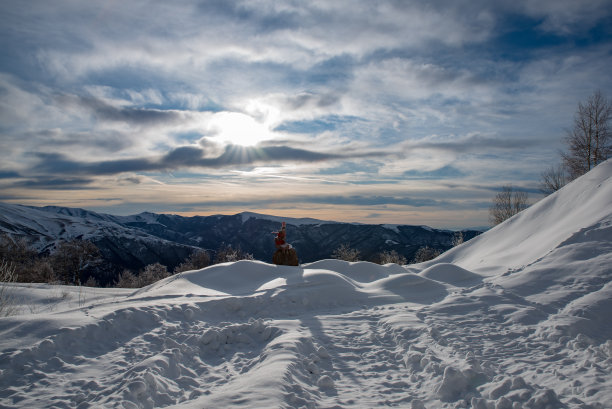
(518, 317)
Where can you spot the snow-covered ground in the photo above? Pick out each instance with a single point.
(519, 317)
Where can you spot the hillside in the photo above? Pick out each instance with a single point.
(517, 318)
(121, 246)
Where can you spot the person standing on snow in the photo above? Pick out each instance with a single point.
(280, 239)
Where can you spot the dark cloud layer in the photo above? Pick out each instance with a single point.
(54, 183)
(135, 116)
(8, 174)
(477, 143)
(444, 172)
(339, 200)
(183, 157)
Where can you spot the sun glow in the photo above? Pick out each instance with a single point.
(239, 129)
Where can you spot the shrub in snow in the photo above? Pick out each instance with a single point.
(344, 252)
(91, 282)
(197, 261)
(392, 256)
(425, 254)
(7, 276)
(126, 279)
(457, 239)
(151, 274)
(230, 254)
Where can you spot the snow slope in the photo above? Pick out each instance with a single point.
(289, 220)
(519, 317)
(562, 217)
(51, 224)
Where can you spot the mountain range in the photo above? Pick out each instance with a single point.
(132, 242)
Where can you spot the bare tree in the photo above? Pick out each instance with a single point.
(392, 256)
(229, 254)
(344, 252)
(589, 141)
(553, 179)
(28, 266)
(425, 253)
(91, 282)
(196, 261)
(72, 258)
(457, 238)
(7, 276)
(127, 279)
(506, 204)
(151, 274)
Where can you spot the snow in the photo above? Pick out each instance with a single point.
(53, 224)
(289, 220)
(519, 317)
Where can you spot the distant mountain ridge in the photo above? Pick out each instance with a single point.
(137, 240)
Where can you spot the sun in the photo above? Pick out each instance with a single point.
(239, 129)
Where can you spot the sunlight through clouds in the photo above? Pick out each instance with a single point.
(287, 99)
(238, 129)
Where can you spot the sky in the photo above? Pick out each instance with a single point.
(402, 112)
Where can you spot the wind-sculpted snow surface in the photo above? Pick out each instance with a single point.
(480, 328)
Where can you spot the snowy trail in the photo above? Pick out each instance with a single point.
(366, 359)
(482, 345)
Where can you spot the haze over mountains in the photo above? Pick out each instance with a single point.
(135, 241)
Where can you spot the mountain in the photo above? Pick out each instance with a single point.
(121, 246)
(313, 239)
(134, 241)
(518, 317)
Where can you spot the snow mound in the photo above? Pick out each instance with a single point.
(237, 278)
(451, 274)
(361, 271)
(409, 287)
(323, 283)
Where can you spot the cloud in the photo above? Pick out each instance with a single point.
(8, 174)
(53, 183)
(365, 200)
(99, 140)
(298, 201)
(444, 172)
(474, 143)
(134, 116)
(308, 100)
(187, 157)
(381, 95)
(567, 16)
(263, 19)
